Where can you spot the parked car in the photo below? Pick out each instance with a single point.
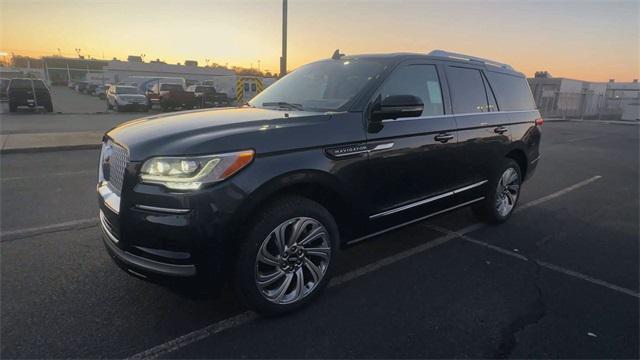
(207, 96)
(32, 93)
(122, 98)
(91, 89)
(170, 96)
(101, 91)
(80, 86)
(337, 151)
(4, 85)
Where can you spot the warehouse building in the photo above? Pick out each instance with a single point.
(570, 98)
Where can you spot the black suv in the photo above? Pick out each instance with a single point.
(31, 93)
(335, 152)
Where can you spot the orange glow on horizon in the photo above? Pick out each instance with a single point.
(589, 40)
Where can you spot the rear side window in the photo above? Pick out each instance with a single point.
(38, 84)
(417, 80)
(467, 90)
(512, 92)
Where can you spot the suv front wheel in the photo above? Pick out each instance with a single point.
(502, 195)
(288, 255)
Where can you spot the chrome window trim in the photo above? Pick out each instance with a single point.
(413, 221)
(162, 209)
(457, 115)
(426, 201)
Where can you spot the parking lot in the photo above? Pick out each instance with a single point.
(559, 280)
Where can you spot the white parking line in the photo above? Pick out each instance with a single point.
(49, 175)
(248, 316)
(22, 233)
(543, 264)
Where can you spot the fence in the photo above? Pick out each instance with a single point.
(588, 106)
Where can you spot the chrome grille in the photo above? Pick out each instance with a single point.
(114, 162)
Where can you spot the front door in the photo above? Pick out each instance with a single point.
(412, 161)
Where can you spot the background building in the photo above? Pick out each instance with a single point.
(570, 98)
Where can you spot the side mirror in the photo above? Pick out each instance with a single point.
(397, 106)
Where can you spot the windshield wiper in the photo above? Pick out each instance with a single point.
(284, 104)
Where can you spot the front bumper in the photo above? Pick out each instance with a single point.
(156, 232)
(139, 263)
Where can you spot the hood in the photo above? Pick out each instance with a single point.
(220, 130)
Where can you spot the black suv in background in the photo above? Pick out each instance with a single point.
(31, 93)
(338, 151)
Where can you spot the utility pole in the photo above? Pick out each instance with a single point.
(283, 58)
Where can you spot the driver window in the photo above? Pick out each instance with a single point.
(417, 80)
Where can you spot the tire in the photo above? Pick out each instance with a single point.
(298, 281)
(498, 206)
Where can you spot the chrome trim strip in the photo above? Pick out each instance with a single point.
(413, 221)
(106, 230)
(111, 199)
(384, 146)
(469, 187)
(161, 209)
(536, 159)
(457, 115)
(426, 201)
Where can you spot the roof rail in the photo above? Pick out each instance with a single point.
(452, 55)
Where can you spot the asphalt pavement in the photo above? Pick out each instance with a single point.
(559, 280)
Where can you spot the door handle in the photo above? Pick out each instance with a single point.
(443, 138)
(500, 130)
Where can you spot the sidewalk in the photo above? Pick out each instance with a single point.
(13, 143)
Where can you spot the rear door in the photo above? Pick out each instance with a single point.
(412, 161)
(480, 135)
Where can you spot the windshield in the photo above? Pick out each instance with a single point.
(205, 89)
(170, 87)
(321, 86)
(126, 90)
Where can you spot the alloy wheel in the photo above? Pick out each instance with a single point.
(292, 260)
(507, 191)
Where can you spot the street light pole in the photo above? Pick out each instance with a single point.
(283, 58)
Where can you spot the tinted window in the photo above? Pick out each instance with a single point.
(467, 90)
(38, 84)
(170, 87)
(417, 80)
(126, 90)
(512, 92)
(20, 84)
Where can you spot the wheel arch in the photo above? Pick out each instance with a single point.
(315, 185)
(520, 157)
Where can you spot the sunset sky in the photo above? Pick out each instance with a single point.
(590, 40)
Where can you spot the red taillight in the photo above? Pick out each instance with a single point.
(539, 121)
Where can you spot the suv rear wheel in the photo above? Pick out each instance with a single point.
(288, 256)
(502, 195)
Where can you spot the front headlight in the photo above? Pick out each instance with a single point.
(190, 172)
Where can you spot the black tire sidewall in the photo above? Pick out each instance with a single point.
(267, 220)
